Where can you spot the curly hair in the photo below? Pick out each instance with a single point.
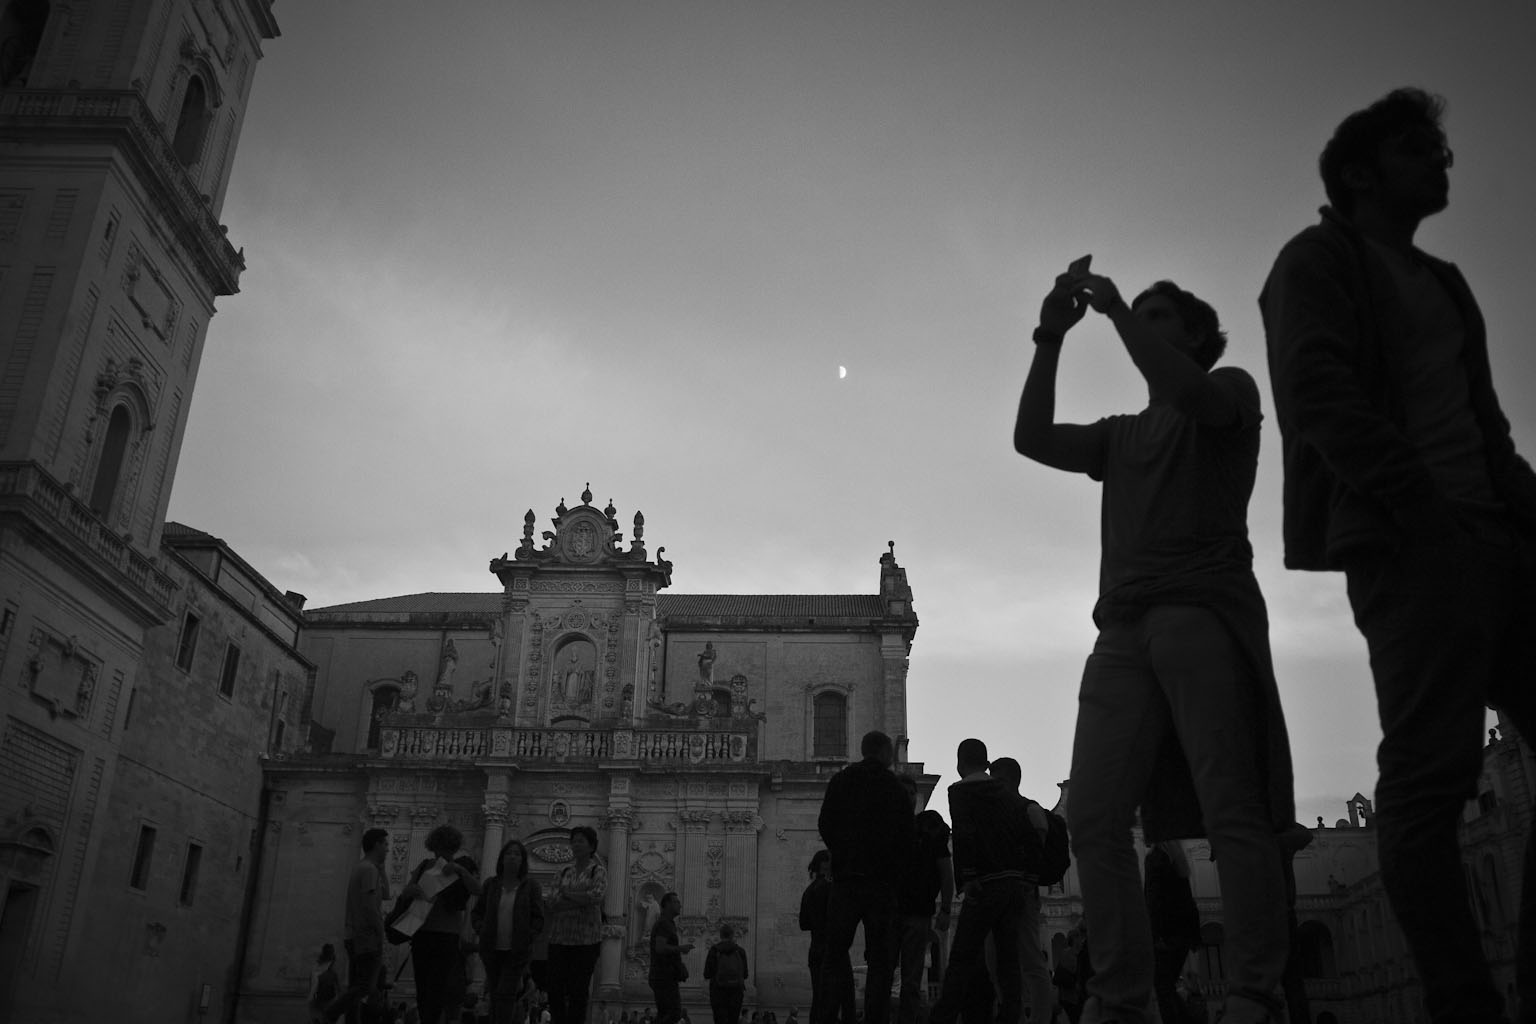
(445, 840)
(1198, 318)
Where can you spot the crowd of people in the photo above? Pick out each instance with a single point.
(1400, 472)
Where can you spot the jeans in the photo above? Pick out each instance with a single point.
(858, 899)
(363, 971)
(570, 981)
(669, 1001)
(997, 909)
(1174, 674)
(1450, 627)
(914, 939)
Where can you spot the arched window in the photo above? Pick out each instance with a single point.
(192, 125)
(384, 700)
(830, 725)
(21, 32)
(1315, 950)
(109, 470)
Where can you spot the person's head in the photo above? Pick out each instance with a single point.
(1183, 320)
(971, 757)
(878, 745)
(583, 842)
(444, 841)
(375, 844)
(1007, 769)
(821, 864)
(512, 861)
(327, 954)
(727, 933)
(671, 905)
(1393, 151)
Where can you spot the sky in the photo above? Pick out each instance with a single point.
(496, 251)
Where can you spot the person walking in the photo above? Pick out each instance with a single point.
(667, 970)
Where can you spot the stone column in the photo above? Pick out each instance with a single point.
(620, 821)
(498, 818)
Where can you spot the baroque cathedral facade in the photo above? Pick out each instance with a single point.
(694, 732)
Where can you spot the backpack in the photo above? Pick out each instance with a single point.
(1055, 857)
(731, 968)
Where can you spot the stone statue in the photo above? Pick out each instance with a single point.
(707, 664)
(407, 701)
(449, 664)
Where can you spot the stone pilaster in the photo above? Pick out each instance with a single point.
(619, 823)
(739, 878)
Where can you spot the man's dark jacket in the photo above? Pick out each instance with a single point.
(1353, 479)
(866, 816)
(993, 836)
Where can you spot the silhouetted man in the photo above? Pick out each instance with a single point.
(1039, 993)
(1400, 471)
(1178, 711)
(865, 816)
(991, 850)
(928, 875)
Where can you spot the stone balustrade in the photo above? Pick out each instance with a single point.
(673, 748)
(26, 488)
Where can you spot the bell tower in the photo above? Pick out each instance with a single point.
(118, 126)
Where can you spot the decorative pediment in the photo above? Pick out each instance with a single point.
(583, 537)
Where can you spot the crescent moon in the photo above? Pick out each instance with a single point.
(842, 371)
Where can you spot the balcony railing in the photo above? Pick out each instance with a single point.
(26, 488)
(668, 747)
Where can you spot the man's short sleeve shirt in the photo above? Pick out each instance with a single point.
(1175, 501)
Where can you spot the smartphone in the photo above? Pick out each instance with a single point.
(1079, 266)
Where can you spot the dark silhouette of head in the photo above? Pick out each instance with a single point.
(445, 841)
(877, 745)
(1358, 139)
(373, 838)
(818, 858)
(1007, 769)
(1198, 317)
(971, 756)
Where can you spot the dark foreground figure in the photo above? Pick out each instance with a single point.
(1400, 471)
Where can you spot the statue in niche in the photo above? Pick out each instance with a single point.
(449, 663)
(574, 677)
(707, 664)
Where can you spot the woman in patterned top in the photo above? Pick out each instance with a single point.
(575, 923)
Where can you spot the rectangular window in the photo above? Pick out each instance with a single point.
(142, 856)
(186, 645)
(831, 726)
(231, 667)
(189, 873)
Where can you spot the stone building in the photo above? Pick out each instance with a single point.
(695, 732)
(118, 124)
(1353, 960)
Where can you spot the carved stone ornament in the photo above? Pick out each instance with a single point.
(497, 810)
